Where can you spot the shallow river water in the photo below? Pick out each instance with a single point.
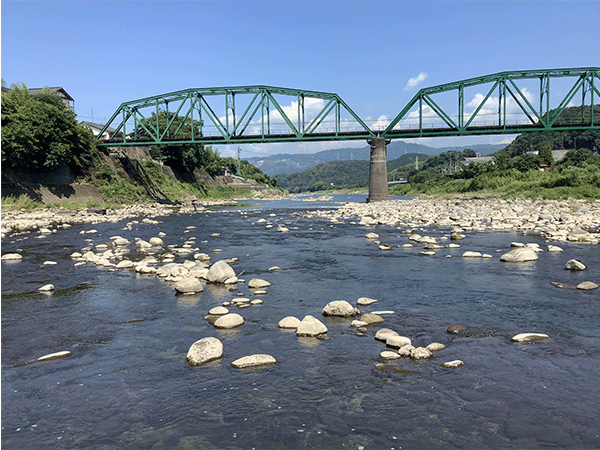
(127, 384)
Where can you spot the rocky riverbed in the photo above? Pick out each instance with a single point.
(560, 220)
(565, 220)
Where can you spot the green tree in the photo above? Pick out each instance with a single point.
(526, 162)
(469, 153)
(545, 153)
(40, 132)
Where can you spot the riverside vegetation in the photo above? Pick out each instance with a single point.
(40, 134)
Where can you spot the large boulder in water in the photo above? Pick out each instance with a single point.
(189, 285)
(310, 326)
(230, 320)
(204, 350)
(340, 308)
(220, 272)
(520, 255)
(575, 264)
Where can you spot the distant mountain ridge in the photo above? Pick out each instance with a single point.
(291, 163)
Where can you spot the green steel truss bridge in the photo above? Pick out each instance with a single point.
(502, 103)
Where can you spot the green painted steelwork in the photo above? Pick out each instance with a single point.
(423, 105)
(255, 121)
(255, 114)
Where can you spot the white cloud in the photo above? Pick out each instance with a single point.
(381, 123)
(415, 81)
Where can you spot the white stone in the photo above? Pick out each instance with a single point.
(406, 351)
(156, 241)
(388, 355)
(420, 353)
(57, 355)
(219, 272)
(253, 361)
(125, 264)
(554, 248)
(397, 341)
(520, 254)
(204, 350)
(11, 257)
(372, 236)
(453, 364)
(289, 322)
(46, 288)
(340, 308)
(231, 320)
(189, 285)
(258, 283)
(435, 347)
(529, 337)
(587, 286)
(364, 301)
(310, 326)
(384, 333)
(218, 311)
(471, 254)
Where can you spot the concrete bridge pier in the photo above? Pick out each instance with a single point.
(378, 182)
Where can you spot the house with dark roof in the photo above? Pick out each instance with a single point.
(64, 96)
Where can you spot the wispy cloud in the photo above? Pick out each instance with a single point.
(415, 81)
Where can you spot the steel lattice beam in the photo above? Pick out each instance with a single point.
(248, 114)
(260, 117)
(504, 85)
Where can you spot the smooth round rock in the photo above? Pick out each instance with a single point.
(435, 347)
(384, 333)
(521, 254)
(218, 311)
(371, 318)
(189, 285)
(125, 264)
(258, 283)
(587, 286)
(529, 337)
(388, 355)
(46, 288)
(471, 254)
(204, 350)
(231, 320)
(289, 322)
(11, 257)
(253, 361)
(397, 341)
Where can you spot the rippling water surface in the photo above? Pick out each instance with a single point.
(127, 384)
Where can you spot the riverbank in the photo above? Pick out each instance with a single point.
(561, 220)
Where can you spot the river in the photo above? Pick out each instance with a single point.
(127, 384)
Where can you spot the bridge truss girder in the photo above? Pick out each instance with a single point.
(586, 81)
(234, 122)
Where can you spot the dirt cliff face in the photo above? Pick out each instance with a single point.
(58, 185)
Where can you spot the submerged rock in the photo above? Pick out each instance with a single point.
(456, 329)
(371, 318)
(258, 283)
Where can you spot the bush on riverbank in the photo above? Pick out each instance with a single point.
(565, 181)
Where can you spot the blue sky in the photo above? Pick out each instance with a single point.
(105, 53)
